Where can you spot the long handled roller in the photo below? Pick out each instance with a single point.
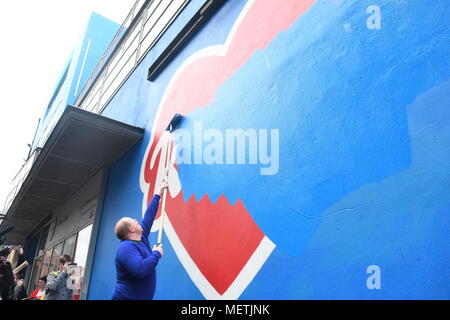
(170, 128)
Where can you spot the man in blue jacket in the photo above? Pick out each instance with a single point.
(135, 261)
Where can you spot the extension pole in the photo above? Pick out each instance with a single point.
(170, 128)
(163, 208)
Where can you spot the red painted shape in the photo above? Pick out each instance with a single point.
(219, 237)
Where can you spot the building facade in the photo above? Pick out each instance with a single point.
(52, 202)
(311, 162)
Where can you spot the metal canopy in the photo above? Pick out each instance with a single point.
(80, 144)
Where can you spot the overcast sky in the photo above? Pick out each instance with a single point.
(37, 38)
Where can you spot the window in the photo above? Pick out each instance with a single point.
(36, 274)
(57, 252)
(81, 253)
(76, 246)
(69, 245)
(46, 262)
(42, 242)
(130, 49)
(37, 270)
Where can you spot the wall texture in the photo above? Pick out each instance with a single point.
(358, 93)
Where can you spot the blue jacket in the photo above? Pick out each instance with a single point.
(136, 262)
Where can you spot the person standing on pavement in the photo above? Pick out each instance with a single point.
(56, 288)
(135, 261)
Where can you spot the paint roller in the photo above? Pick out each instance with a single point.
(170, 128)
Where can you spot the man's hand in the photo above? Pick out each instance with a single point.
(164, 185)
(159, 248)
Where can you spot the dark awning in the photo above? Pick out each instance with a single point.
(80, 144)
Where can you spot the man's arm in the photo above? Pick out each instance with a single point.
(149, 215)
(151, 211)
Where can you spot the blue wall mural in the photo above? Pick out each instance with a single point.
(357, 93)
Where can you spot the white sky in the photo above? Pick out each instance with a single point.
(36, 40)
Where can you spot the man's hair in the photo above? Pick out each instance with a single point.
(44, 278)
(121, 229)
(65, 258)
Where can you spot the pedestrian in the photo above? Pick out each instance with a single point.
(19, 290)
(135, 261)
(39, 293)
(56, 288)
(20, 260)
(6, 277)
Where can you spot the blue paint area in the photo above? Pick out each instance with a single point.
(340, 109)
(400, 224)
(118, 203)
(364, 151)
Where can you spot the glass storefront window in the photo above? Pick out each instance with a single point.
(57, 252)
(69, 245)
(46, 263)
(42, 242)
(76, 246)
(81, 253)
(36, 273)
